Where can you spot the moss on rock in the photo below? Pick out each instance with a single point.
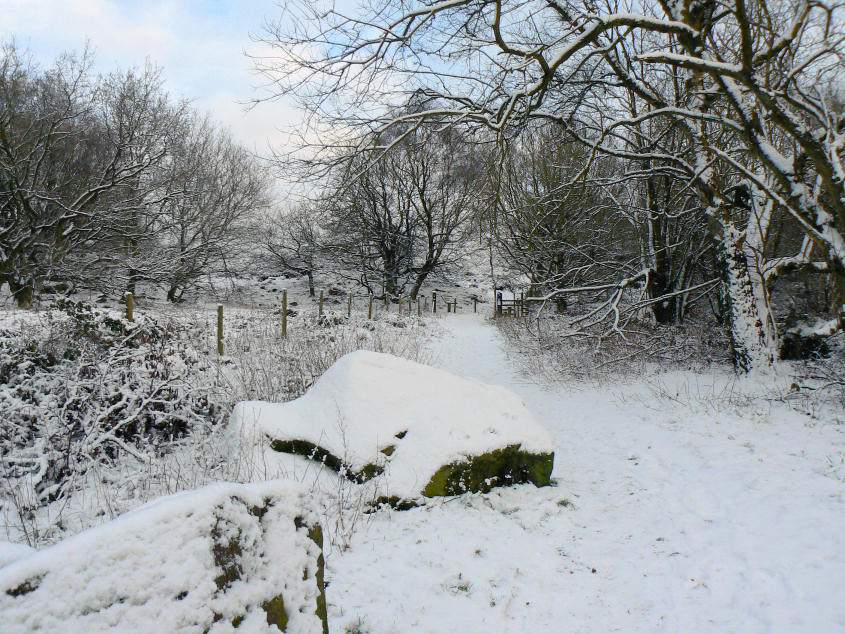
(227, 557)
(316, 535)
(321, 454)
(477, 474)
(276, 614)
(500, 467)
(307, 450)
(393, 501)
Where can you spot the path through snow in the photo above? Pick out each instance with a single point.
(684, 515)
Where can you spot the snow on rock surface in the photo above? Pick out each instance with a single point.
(10, 552)
(208, 560)
(425, 431)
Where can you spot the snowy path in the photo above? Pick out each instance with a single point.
(689, 519)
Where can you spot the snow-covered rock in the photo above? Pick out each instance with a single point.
(422, 431)
(10, 552)
(209, 560)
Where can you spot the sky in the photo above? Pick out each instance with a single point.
(199, 43)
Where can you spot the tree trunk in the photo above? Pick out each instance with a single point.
(837, 285)
(311, 291)
(391, 275)
(666, 310)
(22, 291)
(750, 344)
(660, 280)
(132, 280)
(423, 273)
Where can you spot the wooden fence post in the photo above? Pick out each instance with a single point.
(522, 303)
(370, 308)
(475, 304)
(320, 309)
(349, 306)
(130, 305)
(400, 305)
(434, 302)
(219, 328)
(419, 307)
(284, 313)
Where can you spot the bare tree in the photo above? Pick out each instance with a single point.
(215, 189)
(74, 155)
(293, 241)
(396, 217)
(106, 182)
(747, 88)
(550, 223)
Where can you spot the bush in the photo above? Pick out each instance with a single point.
(86, 387)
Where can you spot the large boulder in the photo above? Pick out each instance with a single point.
(420, 431)
(223, 558)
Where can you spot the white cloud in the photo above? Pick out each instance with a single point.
(199, 43)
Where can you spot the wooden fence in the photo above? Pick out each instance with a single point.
(404, 305)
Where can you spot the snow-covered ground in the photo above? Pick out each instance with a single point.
(684, 503)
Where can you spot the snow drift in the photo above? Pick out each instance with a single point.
(224, 556)
(422, 431)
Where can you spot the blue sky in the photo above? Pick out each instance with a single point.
(200, 44)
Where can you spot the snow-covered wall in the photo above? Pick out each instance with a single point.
(224, 556)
